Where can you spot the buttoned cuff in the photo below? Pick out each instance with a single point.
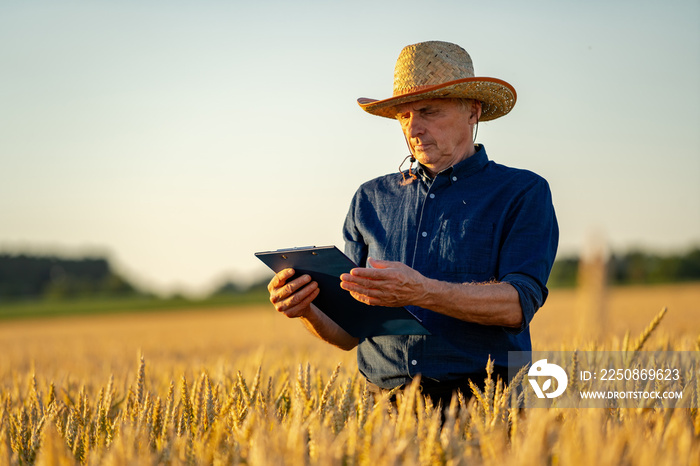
(532, 297)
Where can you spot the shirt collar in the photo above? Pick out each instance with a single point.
(463, 169)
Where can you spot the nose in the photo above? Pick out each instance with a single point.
(414, 127)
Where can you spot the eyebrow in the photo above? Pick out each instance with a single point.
(423, 109)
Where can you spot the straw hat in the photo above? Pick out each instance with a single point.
(430, 70)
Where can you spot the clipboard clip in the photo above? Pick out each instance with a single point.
(301, 248)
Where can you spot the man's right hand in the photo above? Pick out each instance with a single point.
(293, 299)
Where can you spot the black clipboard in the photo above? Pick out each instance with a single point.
(325, 264)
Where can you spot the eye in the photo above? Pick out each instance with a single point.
(403, 118)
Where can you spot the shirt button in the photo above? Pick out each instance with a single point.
(414, 362)
(432, 196)
(454, 178)
(424, 234)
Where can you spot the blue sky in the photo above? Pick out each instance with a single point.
(181, 137)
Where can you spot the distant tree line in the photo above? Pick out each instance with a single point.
(23, 276)
(233, 288)
(30, 277)
(634, 267)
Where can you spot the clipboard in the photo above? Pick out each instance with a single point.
(325, 264)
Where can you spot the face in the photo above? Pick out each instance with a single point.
(439, 131)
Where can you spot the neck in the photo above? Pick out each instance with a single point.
(434, 169)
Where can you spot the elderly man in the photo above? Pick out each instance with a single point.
(464, 243)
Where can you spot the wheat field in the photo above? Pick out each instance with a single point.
(247, 386)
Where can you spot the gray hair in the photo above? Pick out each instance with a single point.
(467, 103)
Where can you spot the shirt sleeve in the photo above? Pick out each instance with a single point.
(528, 247)
(355, 247)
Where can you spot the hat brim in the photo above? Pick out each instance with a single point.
(497, 97)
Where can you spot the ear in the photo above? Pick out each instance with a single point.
(476, 112)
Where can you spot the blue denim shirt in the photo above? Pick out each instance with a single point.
(477, 221)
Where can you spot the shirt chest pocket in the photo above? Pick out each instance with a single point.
(466, 246)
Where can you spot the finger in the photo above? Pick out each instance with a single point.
(351, 285)
(374, 281)
(382, 264)
(288, 289)
(279, 279)
(299, 309)
(361, 272)
(359, 288)
(299, 301)
(363, 298)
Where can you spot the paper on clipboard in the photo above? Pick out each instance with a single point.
(325, 264)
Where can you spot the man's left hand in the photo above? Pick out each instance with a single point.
(386, 283)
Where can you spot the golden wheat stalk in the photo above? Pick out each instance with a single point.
(639, 343)
(243, 387)
(406, 403)
(327, 391)
(169, 414)
(256, 385)
(198, 399)
(341, 415)
(210, 404)
(141, 382)
(187, 415)
(156, 422)
(363, 409)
